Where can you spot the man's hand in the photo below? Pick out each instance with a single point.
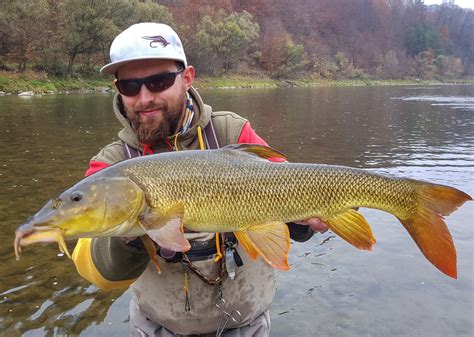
(316, 224)
(128, 239)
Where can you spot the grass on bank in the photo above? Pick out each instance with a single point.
(39, 83)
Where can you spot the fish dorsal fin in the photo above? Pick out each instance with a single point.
(166, 228)
(257, 150)
(352, 227)
(270, 240)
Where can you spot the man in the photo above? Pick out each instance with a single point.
(196, 292)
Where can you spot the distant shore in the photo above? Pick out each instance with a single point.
(33, 83)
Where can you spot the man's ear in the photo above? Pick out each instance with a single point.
(188, 77)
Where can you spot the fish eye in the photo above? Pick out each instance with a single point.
(76, 196)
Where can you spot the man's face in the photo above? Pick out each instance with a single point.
(155, 116)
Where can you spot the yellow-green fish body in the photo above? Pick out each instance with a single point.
(235, 189)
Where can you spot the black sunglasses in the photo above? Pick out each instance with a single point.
(154, 83)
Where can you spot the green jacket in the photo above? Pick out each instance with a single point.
(109, 263)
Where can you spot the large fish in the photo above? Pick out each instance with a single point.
(235, 189)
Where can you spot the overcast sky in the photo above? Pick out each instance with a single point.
(460, 3)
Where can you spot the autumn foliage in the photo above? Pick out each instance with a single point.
(284, 39)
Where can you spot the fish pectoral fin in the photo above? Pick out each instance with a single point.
(166, 228)
(352, 227)
(270, 240)
(257, 150)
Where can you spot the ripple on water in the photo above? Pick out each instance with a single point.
(453, 102)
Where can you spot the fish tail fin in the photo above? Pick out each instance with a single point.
(427, 227)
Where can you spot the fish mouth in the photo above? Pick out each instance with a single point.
(27, 235)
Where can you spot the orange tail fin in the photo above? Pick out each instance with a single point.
(427, 228)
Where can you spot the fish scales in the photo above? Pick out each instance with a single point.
(231, 192)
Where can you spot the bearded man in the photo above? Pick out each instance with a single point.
(160, 111)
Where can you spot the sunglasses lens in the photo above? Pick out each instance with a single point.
(128, 87)
(154, 83)
(160, 82)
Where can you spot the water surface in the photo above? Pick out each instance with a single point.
(332, 289)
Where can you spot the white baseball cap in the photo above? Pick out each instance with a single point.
(142, 41)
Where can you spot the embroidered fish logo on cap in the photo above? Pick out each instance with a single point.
(156, 39)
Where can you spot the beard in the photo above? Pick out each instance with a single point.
(153, 129)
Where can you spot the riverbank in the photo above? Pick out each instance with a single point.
(29, 83)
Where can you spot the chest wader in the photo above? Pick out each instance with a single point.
(203, 250)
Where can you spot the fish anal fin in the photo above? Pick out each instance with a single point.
(151, 249)
(261, 151)
(166, 228)
(352, 227)
(270, 240)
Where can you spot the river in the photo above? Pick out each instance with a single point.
(332, 288)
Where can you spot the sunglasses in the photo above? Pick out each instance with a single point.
(154, 83)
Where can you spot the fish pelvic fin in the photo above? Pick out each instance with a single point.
(166, 228)
(261, 151)
(270, 240)
(352, 227)
(428, 229)
(151, 249)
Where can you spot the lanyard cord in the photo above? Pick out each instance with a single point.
(188, 118)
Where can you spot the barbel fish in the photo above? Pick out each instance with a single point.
(235, 189)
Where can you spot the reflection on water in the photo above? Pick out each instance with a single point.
(332, 289)
(454, 102)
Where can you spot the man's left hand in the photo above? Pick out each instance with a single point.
(316, 224)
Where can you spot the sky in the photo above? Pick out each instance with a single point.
(460, 3)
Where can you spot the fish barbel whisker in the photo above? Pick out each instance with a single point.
(39, 234)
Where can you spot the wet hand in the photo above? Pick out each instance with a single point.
(316, 224)
(128, 239)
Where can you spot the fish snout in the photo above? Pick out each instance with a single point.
(22, 232)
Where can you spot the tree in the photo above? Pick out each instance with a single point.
(293, 58)
(448, 66)
(221, 43)
(84, 29)
(149, 11)
(420, 38)
(19, 28)
(423, 65)
(391, 65)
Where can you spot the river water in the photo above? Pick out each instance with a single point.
(332, 288)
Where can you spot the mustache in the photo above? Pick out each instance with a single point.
(149, 106)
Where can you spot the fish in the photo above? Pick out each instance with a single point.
(237, 189)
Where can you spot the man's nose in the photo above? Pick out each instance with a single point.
(145, 95)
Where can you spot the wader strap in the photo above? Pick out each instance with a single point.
(210, 135)
(130, 152)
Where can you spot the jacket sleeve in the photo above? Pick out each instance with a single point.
(108, 263)
(249, 136)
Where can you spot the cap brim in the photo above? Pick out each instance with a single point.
(112, 67)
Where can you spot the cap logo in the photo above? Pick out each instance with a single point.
(156, 39)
